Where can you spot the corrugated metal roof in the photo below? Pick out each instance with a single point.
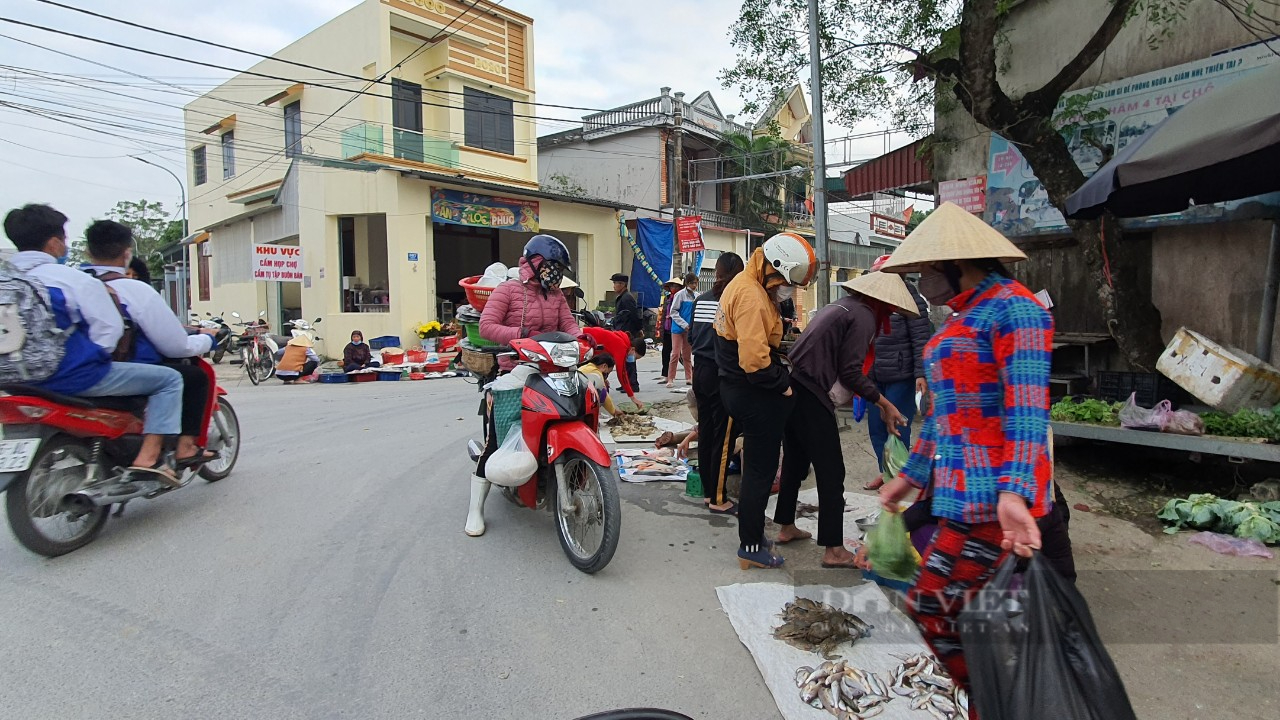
(898, 170)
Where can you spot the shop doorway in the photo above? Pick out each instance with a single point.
(462, 251)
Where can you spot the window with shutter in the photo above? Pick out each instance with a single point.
(228, 155)
(199, 166)
(293, 129)
(488, 121)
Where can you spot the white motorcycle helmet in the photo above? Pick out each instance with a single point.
(793, 257)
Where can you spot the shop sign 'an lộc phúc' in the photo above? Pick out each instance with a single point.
(454, 207)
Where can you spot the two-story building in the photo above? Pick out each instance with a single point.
(628, 155)
(362, 193)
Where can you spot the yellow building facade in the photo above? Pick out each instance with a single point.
(405, 162)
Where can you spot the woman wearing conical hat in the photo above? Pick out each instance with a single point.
(985, 440)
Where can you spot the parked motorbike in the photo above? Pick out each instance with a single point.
(221, 345)
(559, 421)
(62, 461)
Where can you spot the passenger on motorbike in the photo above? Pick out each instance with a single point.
(84, 309)
(161, 338)
(520, 308)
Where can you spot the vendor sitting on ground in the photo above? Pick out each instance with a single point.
(296, 359)
(357, 355)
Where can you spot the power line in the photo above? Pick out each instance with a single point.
(251, 53)
(254, 73)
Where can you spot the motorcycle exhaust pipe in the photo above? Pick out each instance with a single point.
(80, 503)
(88, 501)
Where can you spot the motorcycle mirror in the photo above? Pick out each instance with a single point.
(319, 319)
(235, 315)
(262, 314)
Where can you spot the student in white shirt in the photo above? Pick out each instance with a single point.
(83, 307)
(160, 337)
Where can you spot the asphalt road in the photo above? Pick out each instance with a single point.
(329, 577)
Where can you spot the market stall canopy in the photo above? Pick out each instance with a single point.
(1221, 146)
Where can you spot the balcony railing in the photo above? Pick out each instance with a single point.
(372, 139)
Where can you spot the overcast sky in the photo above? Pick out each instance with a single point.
(589, 54)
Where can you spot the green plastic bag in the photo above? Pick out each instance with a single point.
(889, 548)
(895, 457)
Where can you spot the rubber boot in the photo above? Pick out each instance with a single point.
(475, 515)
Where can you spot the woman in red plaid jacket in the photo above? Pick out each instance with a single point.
(985, 442)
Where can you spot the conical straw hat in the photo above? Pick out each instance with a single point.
(887, 288)
(300, 341)
(951, 233)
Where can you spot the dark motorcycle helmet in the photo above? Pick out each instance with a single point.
(548, 248)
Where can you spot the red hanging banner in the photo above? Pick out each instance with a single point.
(689, 233)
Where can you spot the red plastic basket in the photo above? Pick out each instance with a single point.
(436, 367)
(447, 344)
(417, 376)
(392, 358)
(364, 377)
(415, 356)
(476, 295)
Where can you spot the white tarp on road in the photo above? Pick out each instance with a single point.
(753, 610)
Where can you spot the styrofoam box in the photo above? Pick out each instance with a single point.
(1221, 376)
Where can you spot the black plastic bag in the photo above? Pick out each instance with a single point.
(1034, 652)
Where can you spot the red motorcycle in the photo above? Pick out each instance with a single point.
(559, 419)
(62, 460)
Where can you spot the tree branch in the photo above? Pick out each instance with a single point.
(1046, 98)
(979, 90)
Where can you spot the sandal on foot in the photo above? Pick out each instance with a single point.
(159, 471)
(874, 484)
(731, 510)
(761, 558)
(201, 457)
(851, 565)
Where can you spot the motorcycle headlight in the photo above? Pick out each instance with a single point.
(564, 354)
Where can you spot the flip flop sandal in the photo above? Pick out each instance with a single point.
(762, 558)
(851, 565)
(731, 510)
(200, 458)
(874, 484)
(160, 471)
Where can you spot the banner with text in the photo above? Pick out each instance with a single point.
(689, 233)
(889, 227)
(277, 263)
(1017, 204)
(454, 207)
(968, 193)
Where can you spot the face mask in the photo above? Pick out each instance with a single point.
(550, 274)
(935, 287)
(785, 292)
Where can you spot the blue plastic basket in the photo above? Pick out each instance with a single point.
(330, 378)
(385, 341)
(389, 375)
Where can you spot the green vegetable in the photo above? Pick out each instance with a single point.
(1208, 512)
(1245, 423)
(1091, 411)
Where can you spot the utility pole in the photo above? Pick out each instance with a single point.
(677, 202)
(819, 160)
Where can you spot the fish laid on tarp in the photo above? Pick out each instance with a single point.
(924, 682)
(843, 690)
(816, 626)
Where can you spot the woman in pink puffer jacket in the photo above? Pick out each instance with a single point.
(520, 308)
(524, 308)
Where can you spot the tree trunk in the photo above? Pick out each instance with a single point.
(1131, 317)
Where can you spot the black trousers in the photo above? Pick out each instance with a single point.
(812, 439)
(762, 416)
(666, 352)
(716, 431)
(195, 397)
